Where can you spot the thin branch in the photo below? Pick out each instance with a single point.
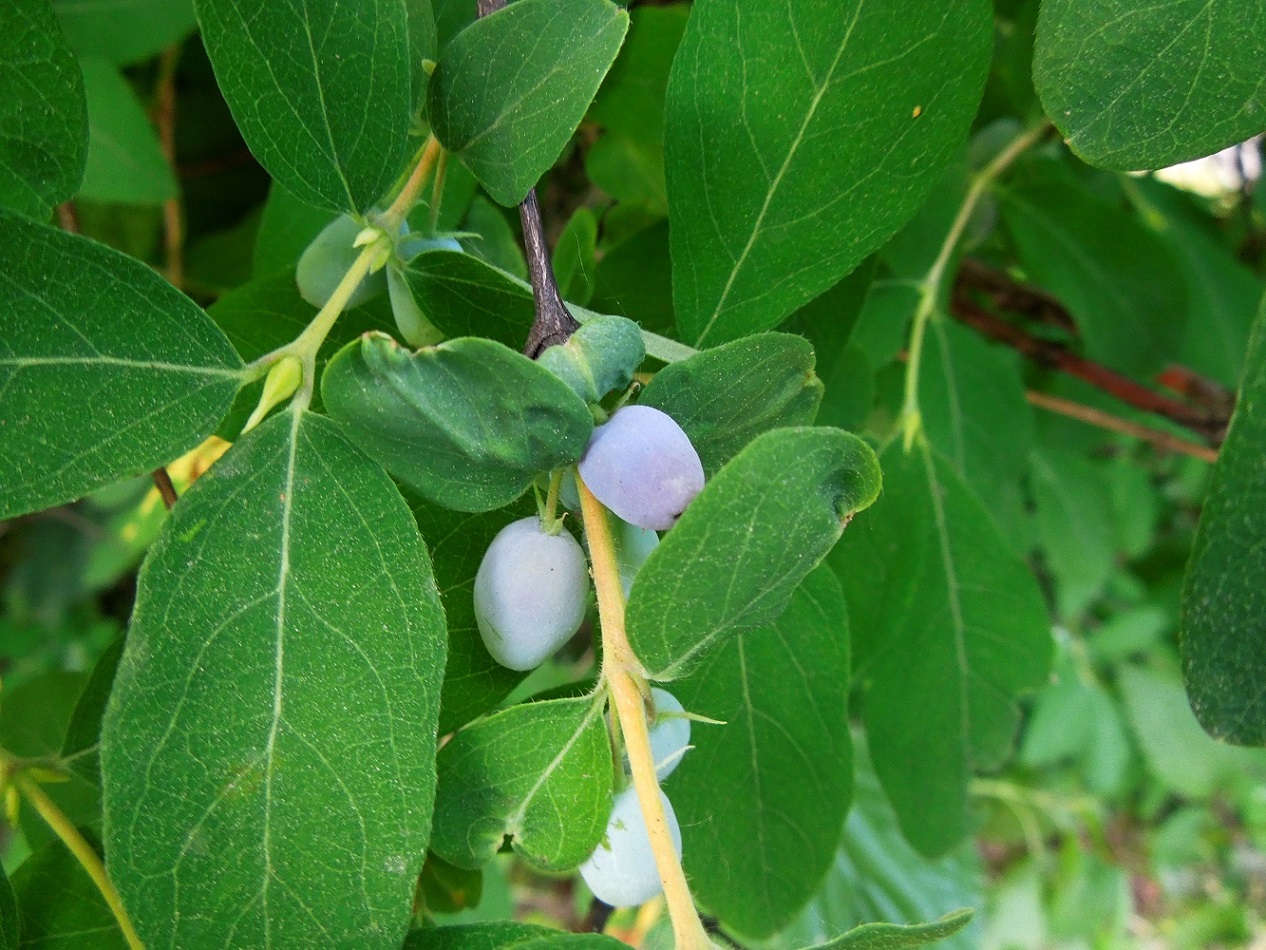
(1013, 296)
(83, 852)
(162, 481)
(68, 217)
(553, 322)
(164, 115)
(1104, 420)
(1200, 421)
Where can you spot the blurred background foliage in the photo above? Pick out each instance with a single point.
(1119, 822)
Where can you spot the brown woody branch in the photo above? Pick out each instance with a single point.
(1105, 420)
(1209, 425)
(553, 322)
(1026, 300)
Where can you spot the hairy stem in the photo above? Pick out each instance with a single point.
(930, 289)
(80, 848)
(625, 678)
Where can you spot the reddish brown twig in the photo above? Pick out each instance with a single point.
(1105, 420)
(1013, 296)
(164, 116)
(68, 217)
(162, 481)
(1206, 424)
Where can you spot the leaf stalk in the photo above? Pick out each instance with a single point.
(83, 852)
(911, 425)
(626, 680)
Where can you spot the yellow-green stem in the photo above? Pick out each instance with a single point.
(408, 196)
(308, 342)
(930, 288)
(626, 680)
(80, 848)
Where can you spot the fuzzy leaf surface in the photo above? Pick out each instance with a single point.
(464, 296)
(1224, 595)
(940, 609)
(742, 547)
(44, 121)
(539, 772)
(756, 854)
(468, 423)
(725, 397)
(799, 137)
(1134, 87)
(320, 89)
(277, 702)
(510, 123)
(142, 371)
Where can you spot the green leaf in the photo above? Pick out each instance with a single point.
(539, 772)
(943, 611)
(1222, 293)
(506, 935)
(44, 121)
(34, 716)
(124, 31)
(125, 162)
(8, 914)
(1079, 722)
(1118, 280)
(495, 242)
(635, 279)
(60, 907)
(599, 357)
(756, 854)
(1134, 86)
(627, 162)
(755, 531)
(724, 398)
(484, 936)
(900, 936)
(975, 414)
(464, 296)
(423, 46)
(511, 88)
(1177, 751)
(320, 90)
(468, 423)
(473, 681)
(878, 876)
(89, 334)
(574, 261)
(1223, 647)
(1074, 526)
(799, 137)
(286, 227)
(277, 702)
(81, 745)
